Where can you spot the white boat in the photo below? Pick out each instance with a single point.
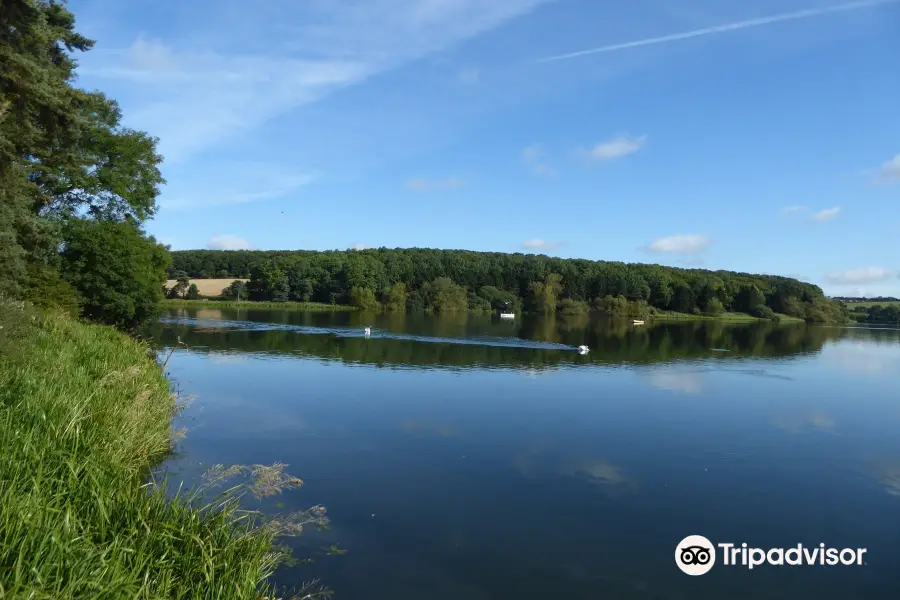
(637, 322)
(507, 315)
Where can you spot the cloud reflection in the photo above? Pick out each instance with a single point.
(226, 358)
(676, 381)
(536, 462)
(798, 424)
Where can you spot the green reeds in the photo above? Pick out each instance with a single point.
(84, 413)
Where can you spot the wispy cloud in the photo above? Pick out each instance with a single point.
(228, 242)
(794, 209)
(361, 246)
(469, 76)
(680, 244)
(539, 244)
(533, 157)
(826, 214)
(226, 183)
(890, 171)
(426, 185)
(859, 276)
(615, 148)
(685, 35)
(300, 53)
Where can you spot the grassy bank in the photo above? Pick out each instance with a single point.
(310, 306)
(84, 413)
(728, 317)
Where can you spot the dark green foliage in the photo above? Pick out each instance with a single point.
(568, 306)
(364, 298)
(64, 154)
(878, 313)
(236, 290)
(762, 312)
(395, 297)
(45, 288)
(193, 292)
(117, 271)
(537, 283)
(442, 295)
(714, 306)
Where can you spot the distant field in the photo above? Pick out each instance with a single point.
(852, 305)
(209, 287)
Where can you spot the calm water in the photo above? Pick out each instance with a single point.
(473, 458)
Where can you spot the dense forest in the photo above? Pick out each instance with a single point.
(454, 280)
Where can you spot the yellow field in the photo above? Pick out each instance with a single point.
(208, 287)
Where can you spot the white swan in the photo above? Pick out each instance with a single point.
(368, 331)
(583, 349)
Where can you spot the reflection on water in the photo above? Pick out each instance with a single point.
(467, 457)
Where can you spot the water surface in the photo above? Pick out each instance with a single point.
(469, 457)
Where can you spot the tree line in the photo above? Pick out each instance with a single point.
(877, 314)
(76, 185)
(454, 280)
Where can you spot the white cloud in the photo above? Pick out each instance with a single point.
(826, 214)
(360, 246)
(793, 209)
(469, 76)
(221, 184)
(616, 148)
(193, 97)
(859, 276)
(539, 244)
(680, 244)
(533, 157)
(890, 171)
(425, 185)
(227, 242)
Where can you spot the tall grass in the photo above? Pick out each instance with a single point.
(84, 413)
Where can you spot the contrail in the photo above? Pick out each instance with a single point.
(801, 14)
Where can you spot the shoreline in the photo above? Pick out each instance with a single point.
(664, 316)
(90, 411)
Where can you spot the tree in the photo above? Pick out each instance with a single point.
(364, 298)
(236, 290)
(395, 297)
(443, 295)
(182, 283)
(714, 306)
(117, 271)
(193, 292)
(543, 295)
(63, 151)
(750, 298)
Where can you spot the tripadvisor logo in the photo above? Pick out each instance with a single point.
(696, 555)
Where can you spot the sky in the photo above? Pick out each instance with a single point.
(759, 137)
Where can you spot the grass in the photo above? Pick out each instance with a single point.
(209, 287)
(209, 303)
(84, 413)
(729, 317)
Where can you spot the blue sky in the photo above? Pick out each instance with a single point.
(758, 137)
